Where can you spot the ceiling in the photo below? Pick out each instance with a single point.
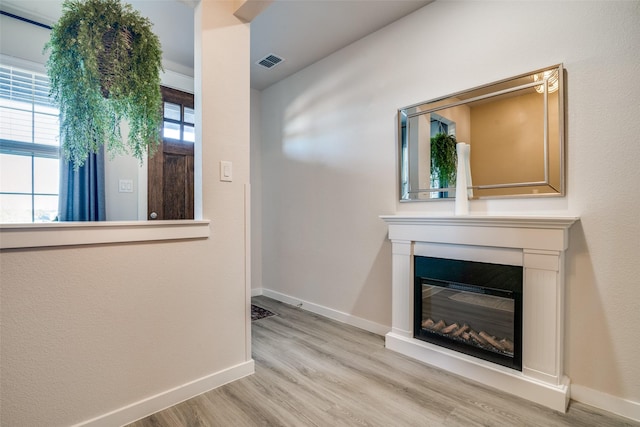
(305, 31)
(299, 31)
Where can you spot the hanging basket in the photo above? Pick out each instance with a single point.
(117, 43)
(104, 67)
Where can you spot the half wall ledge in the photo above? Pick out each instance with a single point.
(18, 236)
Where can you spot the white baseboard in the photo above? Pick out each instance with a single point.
(617, 405)
(340, 316)
(168, 398)
(255, 292)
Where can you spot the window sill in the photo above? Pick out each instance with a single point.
(16, 236)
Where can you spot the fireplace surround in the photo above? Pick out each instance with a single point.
(536, 244)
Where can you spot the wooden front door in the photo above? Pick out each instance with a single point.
(170, 182)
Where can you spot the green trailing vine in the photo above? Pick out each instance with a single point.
(444, 158)
(104, 67)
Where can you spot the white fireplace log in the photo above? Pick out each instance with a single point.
(464, 328)
(491, 340)
(428, 324)
(477, 338)
(449, 329)
(508, 345)
(439, 326)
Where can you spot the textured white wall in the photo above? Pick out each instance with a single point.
(123, 206)
(329, 164)
(89, 330)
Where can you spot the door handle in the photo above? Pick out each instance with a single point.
(153, 215)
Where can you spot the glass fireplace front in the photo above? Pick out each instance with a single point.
(471, 307)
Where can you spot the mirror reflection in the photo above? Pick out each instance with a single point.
(30, 173)
(514, 129)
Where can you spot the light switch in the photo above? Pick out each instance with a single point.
(226, 171)
(125, 186)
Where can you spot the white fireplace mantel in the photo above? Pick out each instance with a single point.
(537, 244)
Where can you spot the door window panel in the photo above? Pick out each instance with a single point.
(189, 115)
(179, 122)
(171, 130)
(172, 111)
(189, 133)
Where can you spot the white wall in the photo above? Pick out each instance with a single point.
(91, 329)
(123, 206)
(329, 165)
(23, 40)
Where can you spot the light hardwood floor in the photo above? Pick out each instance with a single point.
(312, 371)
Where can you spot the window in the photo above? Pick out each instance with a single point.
(179, 119)
(29, 147)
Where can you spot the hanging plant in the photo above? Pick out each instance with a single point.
(444, 159)
(104, 67)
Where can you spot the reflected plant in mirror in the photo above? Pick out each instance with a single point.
(514, 127)
(443, 161)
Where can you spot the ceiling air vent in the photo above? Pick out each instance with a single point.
(270, 61)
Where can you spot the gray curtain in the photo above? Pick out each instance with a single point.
(82, 195)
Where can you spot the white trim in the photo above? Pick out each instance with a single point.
(247, 268)
(151, 405)
(143, 189)
(520, 221)
(506, 256)
(597, 399)
(256, 292)
(197, 105)
(14, 236)
(178, 81)
(542, 233)
(340, 316)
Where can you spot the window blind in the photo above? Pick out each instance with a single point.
(28, 117)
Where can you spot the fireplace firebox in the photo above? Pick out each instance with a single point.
(471, 307)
